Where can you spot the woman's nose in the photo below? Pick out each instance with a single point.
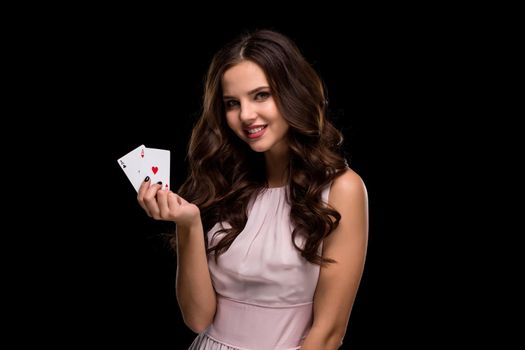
(247, 113)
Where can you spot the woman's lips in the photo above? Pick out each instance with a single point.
(255, 131)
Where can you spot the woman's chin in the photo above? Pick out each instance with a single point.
(257, 147)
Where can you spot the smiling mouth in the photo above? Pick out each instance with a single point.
(255, 132)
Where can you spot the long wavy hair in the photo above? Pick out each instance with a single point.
(224, 173)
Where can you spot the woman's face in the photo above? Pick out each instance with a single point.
(251, 111)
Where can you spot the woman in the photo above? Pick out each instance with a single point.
(272, 225)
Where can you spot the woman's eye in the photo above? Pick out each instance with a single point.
(263, 95)
(231, 103)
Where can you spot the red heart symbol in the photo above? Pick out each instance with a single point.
(154, 169)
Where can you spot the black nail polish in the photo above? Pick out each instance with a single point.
(160, 182)
(146, 179)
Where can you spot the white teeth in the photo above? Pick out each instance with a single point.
(256, 130)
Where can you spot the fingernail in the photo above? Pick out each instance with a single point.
(146, 179)
(160, 182)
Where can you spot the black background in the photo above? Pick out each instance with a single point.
(108, 275)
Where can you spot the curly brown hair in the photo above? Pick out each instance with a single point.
(225, 173)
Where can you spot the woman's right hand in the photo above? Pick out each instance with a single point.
(166, 205)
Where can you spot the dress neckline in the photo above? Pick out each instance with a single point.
(277, 188)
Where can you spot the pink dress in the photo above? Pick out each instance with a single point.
(264, 287)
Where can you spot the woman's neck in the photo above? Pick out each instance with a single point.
(276, 167)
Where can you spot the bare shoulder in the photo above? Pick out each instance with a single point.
(349, 197)
(347, 187)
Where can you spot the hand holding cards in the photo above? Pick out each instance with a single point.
(142, 162)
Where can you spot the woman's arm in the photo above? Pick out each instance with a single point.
(338, 282)
(195, 293)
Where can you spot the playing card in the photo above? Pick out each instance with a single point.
(133, 166)
(157, 166)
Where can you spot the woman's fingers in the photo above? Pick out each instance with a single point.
(150, 201)
(162, 202)
(144, 187)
